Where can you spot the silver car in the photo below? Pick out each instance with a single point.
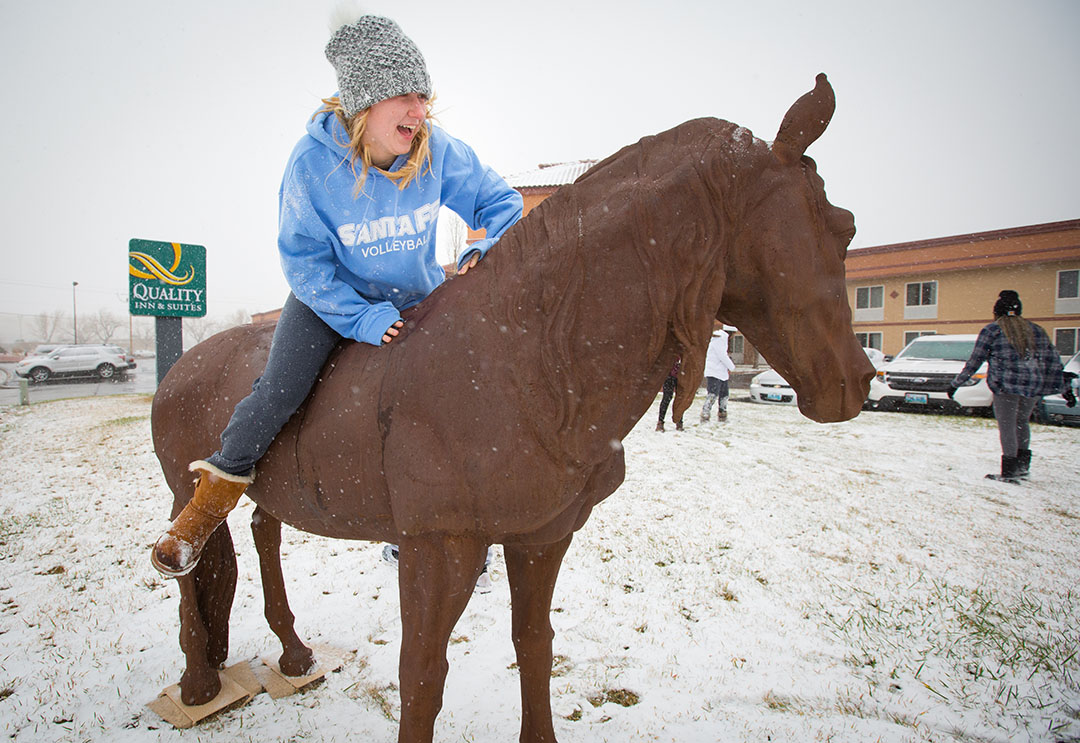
(83, 360)
(1054, 409)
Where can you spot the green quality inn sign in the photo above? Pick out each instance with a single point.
(166, 279)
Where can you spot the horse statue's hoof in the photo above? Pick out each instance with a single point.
(299, 663)
(199, 688)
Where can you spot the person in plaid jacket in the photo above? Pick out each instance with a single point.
(1023, 366)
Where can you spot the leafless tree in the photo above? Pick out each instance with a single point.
(239, 317)
(143, 331)
(197, 329)
(46, 325)
(457, 232)
(102, 326)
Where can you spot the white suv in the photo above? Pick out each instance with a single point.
(82, 360)
(919, 377)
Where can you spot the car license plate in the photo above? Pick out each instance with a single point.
(774, 396)
(915, 398)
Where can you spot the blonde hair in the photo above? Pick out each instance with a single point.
(356, 125)
(1018, 332)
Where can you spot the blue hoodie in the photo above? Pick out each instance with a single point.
(358, 261)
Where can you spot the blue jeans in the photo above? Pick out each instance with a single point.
(302, 343)
(717, 386)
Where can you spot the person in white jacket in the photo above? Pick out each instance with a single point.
(718, 368)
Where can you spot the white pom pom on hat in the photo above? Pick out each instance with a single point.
(345, 13)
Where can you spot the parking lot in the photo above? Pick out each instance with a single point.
(142, 379)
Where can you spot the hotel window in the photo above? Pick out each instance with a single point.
(1065, 340)
(1067, 300)
(869, 340)
(920, 302)
(869, 304)
(911, 335)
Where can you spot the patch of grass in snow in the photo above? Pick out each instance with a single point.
(560, 666)
(782, 703)
(847, 703)
(11, 526)
(852, 706)
(380, 696)
(964, 643)
(116, 422)
(1062, 513)
(622, 697)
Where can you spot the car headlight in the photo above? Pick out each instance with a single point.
(975, 379)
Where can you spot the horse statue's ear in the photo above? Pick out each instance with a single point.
(804, 122)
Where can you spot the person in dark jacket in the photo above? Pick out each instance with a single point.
(670, 384)
(1023, 366)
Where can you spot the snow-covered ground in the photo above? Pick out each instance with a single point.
(767, 578)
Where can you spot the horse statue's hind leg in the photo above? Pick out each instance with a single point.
(436, 576)
(206, 596)
(532, 571)
(296, 658)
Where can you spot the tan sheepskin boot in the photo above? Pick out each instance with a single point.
(178, 550)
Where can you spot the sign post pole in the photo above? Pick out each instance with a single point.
(168, 343)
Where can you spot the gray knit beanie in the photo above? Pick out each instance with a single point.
(374, 61)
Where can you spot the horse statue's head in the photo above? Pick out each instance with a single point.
(793, 239)
(768, 254)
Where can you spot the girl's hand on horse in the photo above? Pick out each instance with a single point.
(472, 262)
(392, 331)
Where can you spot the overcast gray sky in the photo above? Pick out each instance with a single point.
(173, 121)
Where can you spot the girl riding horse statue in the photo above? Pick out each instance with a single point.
(497, 415)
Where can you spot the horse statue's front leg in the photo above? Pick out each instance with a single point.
(206, 596)
(296, 657)
(532, 571)
(436, 576)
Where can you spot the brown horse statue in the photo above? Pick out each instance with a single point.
(497, 416)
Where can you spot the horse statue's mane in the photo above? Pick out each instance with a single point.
(618, 205)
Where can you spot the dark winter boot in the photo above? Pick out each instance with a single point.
(1023, 459)
(178, 550)
(1009, 470)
